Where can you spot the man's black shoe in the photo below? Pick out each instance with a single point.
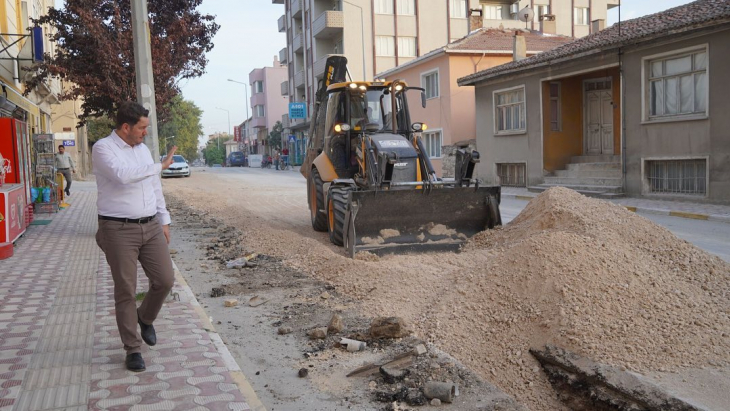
(135, 362)
(147, 332)
(68, 193)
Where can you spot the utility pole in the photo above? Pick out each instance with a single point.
(143, 69)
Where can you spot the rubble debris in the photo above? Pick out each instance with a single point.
(217, 292)
(435, 402)
(388, 327)
(419, 350)
(242, 262)
(336, 324)
(325, 295)
(602, 386)
(173, 251)
(444, 391)
(303, 372)
(415, 397)
(400, 360)
(232, 302)
(317, 333)
(284, 330)
(393, 375)
(353, 345)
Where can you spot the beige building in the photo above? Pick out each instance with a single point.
(630, 110)
(378, 35)
(268, 104)
(450, 110)
(18, 54)
(65, 117)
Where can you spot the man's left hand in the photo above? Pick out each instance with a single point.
(166, 231)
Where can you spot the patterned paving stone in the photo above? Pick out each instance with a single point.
(59, 344)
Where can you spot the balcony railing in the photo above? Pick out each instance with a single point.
(297, 43)
(258, 122)
(320, 64)
(283, 56)
(282, 24)
(285, 88)
(299, 79)
(328, 24)
(296, 8)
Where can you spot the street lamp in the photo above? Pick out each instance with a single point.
(167, 138)
(229, 124)
(246, 90)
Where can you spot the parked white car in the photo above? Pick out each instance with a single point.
(178, 168)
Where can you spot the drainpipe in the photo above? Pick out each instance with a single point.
(623, 104)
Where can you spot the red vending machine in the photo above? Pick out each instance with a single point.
(15, 190)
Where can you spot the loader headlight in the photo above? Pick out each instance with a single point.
(342, 127)
(419, 127)
(353, 85)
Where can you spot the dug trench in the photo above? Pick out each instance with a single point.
(569, 272)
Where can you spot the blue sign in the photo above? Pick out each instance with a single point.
(37, 43)
(69, 143)
(298, 110)
(292, 138)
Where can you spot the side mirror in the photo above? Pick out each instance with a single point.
(423, 99)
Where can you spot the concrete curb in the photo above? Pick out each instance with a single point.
(673, 213)
(239, 378)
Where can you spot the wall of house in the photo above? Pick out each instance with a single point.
(560, 146)
(700, 138)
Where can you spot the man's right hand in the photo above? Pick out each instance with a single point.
(168, 160)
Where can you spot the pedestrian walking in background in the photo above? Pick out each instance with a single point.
(277, 157)
(65, 165)
(134, 225)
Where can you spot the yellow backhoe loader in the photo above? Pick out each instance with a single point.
(370, 182)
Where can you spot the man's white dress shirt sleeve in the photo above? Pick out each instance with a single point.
(106, 164)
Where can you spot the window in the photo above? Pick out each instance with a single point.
(430, 81)
(406, 7)
(259, 111)
(407, 46)
(580, 16)
(555, 107)
(511, 174)
(384, 46)
(258, 86)
(432, 142)
(677, 176)
(509, 111)
(458, 9)
(678, 85)
(383, 6)
(492, 12)
(541, 11)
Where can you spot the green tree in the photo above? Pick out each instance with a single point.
(275, 135)
(215, 150)
(183, 122)
(98, 128)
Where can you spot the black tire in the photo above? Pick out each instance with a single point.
(315, 195)
(337, 205)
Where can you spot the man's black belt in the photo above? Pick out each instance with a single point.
(143, 220)
(63, 168)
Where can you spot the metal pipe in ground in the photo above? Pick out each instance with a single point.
(444, 391)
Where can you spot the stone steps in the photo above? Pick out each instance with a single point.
(608, 173)
(586, 190)
(603, 158)
(584, 181)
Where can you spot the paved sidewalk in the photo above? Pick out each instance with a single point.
(59, 345)
(699, 211)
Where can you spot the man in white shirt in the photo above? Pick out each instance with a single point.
(134, 224)
(65, 165)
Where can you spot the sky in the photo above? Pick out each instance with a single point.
(249, 39)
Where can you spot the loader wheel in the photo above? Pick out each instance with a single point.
(495, 217)
(337, 204)
(315, 195)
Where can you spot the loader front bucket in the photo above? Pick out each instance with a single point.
(417, 220)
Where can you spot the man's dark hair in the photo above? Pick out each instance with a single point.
(130, 112)
(60, 146)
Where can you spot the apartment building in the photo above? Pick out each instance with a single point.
(267, 102)
(378, 35)
(17, 54)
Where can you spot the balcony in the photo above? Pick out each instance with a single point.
(299, 79)
(258, 122)
(297, 43)
(296, 9)
(283, 56)
(282, 24)
(329, 24)
(285, 121)
(320, 64)
(277, 1)
(285, 88)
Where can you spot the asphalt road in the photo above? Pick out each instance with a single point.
(290, 188)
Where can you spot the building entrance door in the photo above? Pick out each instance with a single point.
(598, 117)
